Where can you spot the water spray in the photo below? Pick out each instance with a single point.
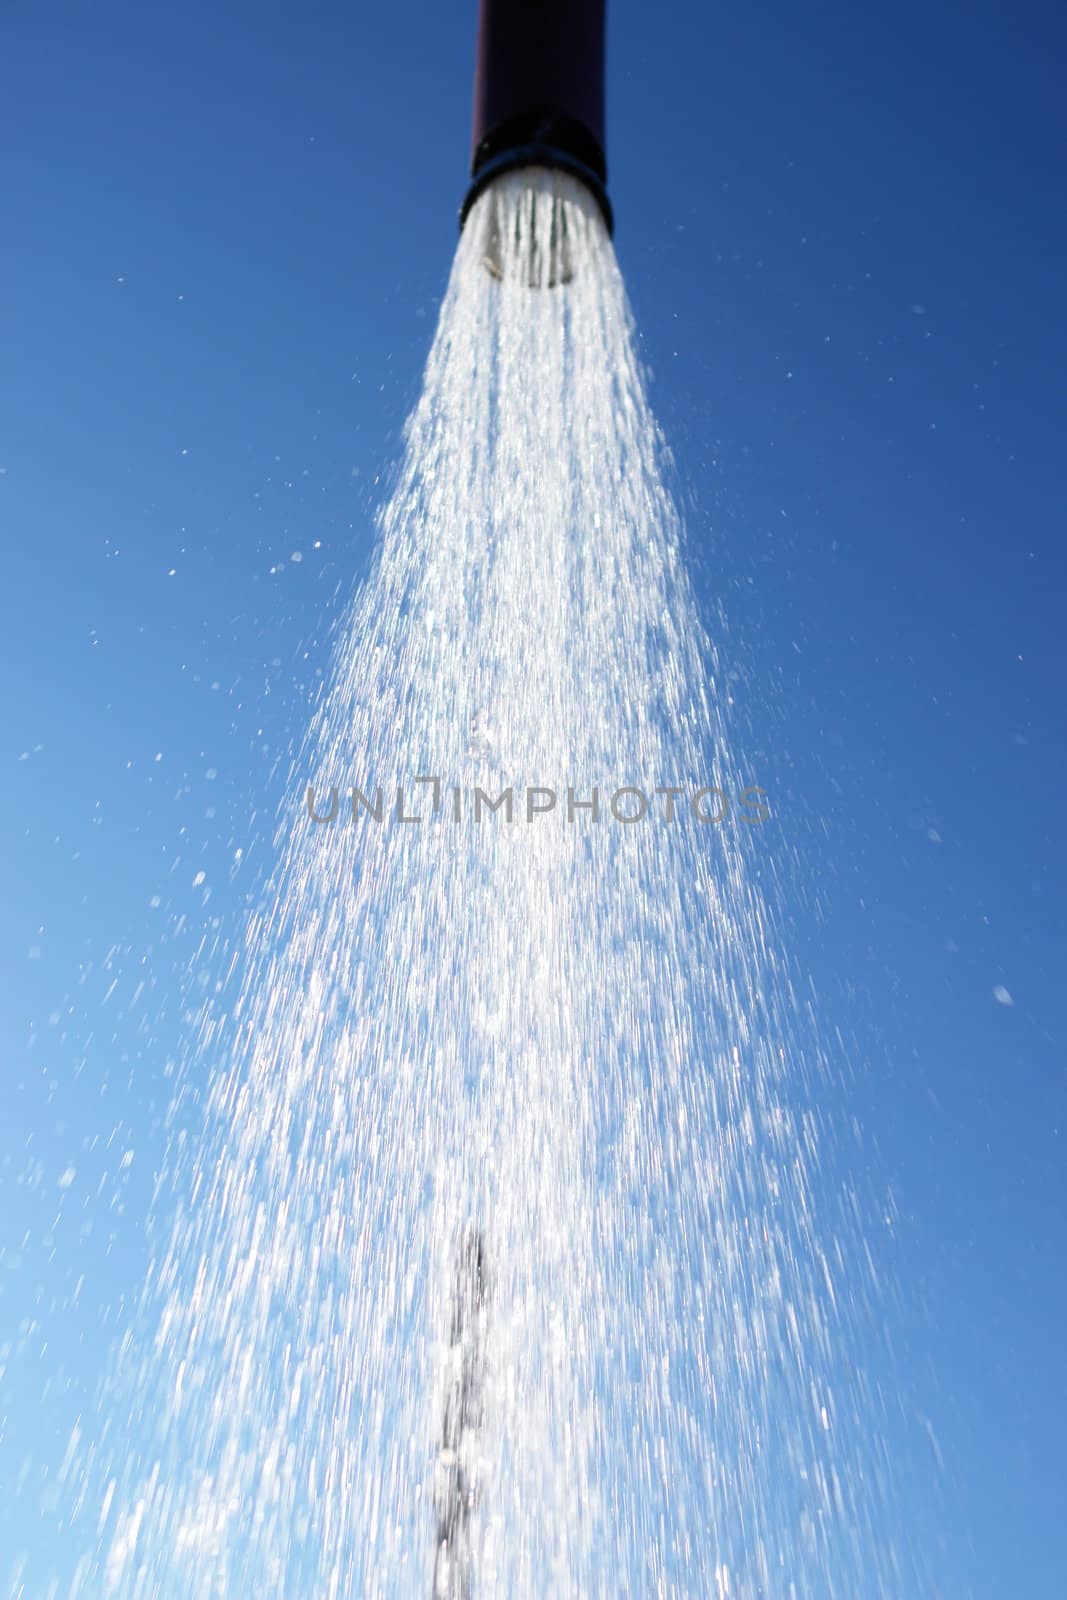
(532, 1123)
(538, 105)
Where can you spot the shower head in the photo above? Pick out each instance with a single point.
(539, 93)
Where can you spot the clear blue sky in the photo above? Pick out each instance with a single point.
(227, 230)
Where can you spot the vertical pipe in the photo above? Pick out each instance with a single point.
(539, 92)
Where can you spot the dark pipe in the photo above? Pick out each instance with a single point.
(539, 93)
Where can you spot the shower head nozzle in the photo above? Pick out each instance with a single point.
(539, 94)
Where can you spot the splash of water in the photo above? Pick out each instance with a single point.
(573, 1041)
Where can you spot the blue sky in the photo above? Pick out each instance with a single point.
(227, 234)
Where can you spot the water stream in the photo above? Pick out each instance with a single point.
(503, 1264)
